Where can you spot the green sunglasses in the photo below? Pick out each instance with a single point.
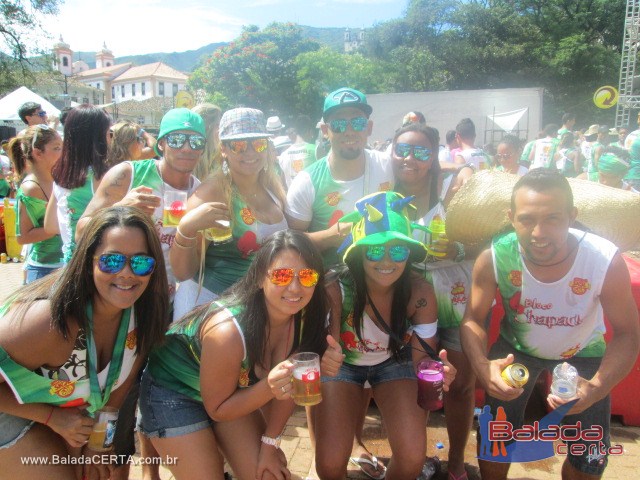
(397, 253)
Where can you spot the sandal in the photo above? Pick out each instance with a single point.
(360, 462)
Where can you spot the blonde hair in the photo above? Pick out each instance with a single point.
(20, 149)
(211, 156)
(123, 134)
(268, 178)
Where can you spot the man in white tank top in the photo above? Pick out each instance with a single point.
(556, 284)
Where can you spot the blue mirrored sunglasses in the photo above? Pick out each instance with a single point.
(397, 253)
(403, 150)
(141, 265)
(339, 125)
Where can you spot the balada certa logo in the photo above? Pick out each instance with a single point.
(501, 442)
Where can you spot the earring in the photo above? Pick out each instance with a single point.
(225, 167)
(266, 168)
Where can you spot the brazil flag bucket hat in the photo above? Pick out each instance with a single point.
(379, 218)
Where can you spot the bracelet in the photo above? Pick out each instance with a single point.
(183, 235)
(274, 442)
(46, 422)
(179, 245)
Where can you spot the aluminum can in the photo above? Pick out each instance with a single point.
(515, 375)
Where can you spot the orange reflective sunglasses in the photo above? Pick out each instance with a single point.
(282, 277)
(240, 146)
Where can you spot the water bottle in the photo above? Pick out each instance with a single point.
(565, 381)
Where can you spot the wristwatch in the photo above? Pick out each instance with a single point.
(274, 442)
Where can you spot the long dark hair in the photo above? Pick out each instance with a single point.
(401, 297)
(70, 289)
(84, 146)
(432, 135)
(310, 322)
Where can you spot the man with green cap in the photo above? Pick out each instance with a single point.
(142, 184)
(328, 189)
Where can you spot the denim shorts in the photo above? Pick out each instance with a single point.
(166, 413)
(597, 414)
(386, 371)
(12, 429)
(34, 272)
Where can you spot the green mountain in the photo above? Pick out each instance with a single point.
(188, 61)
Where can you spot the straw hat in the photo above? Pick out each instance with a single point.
(478, 211)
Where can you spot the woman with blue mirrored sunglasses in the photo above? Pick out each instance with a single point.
(83, 320)
(445, 268)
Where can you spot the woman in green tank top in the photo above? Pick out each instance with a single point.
(39, 149)
(223, 380)
(75, 341)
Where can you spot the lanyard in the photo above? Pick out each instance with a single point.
(384, 327)
(97, 399)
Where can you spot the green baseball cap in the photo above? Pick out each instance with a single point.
(379, 218)
(180, 119)
(346, 97)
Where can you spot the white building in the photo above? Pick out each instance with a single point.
(120, 82)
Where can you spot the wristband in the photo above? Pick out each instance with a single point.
(183, 235)
(274, 442)
(179, 245)
(46, 422)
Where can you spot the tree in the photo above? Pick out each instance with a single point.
(324, 70)
(17, 19)
(258, 69)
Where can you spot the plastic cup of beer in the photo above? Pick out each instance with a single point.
(104, 429)
(220, 233)
(306, 378)
(174, 207)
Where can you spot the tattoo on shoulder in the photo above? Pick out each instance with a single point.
(118, 181)
(421, 302)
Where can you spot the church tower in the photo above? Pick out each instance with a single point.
(104, 58)
(63, 58)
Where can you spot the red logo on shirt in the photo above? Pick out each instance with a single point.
(62, 388)
(580, 286)
(515, 277)
(332, 198)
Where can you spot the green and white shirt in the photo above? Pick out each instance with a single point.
(556, 320)
(46, 253)
(316, 197)
(145, 173)
(71, 206)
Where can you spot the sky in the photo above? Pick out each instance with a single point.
(149, 26)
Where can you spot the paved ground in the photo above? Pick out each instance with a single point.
(297, 446)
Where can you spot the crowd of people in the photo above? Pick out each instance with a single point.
(181, 273)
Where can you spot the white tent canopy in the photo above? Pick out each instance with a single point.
(508, 120)
(10, 104)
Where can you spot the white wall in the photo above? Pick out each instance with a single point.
(443, 110)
